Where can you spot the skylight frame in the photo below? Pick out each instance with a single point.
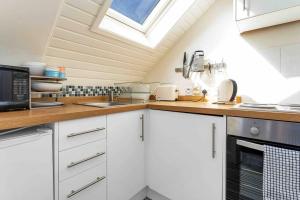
(150, 20)
(109, 27)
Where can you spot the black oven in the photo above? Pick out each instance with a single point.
(246, 141)
(244, 169)
(14, 88)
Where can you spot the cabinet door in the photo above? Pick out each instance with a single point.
(26, 168)
(179, 155)
(251, 8)
(125, 155)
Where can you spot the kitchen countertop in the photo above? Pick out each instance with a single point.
(229, 110)
(16, 119)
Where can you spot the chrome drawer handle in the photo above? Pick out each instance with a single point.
(74, 192)
(85, 132)
(142, 136)
(213, 140)
(72, 164)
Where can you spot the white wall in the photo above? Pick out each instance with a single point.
(24, 29)
(265, 63)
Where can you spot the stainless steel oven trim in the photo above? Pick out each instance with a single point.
(265, 130)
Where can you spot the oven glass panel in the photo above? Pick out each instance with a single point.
(244, 172)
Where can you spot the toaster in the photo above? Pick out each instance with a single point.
(166, 93)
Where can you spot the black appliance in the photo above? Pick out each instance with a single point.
(246, 138)
(14, 88)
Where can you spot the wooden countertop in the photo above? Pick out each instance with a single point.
(16, 119)
(229, 110)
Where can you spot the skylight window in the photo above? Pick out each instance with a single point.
(138, 14)
(136, 10)
(144, 22)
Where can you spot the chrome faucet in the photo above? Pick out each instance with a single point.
(111, 95)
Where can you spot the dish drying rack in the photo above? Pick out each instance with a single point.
(136, 92)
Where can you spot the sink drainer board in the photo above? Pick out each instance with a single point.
(102, 104)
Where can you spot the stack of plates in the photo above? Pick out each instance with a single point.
(35, 68)
(46, 86)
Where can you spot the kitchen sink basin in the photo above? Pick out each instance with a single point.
(102, 104)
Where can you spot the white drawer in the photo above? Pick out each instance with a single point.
(79, 159)
(89, 185)
(81, 131)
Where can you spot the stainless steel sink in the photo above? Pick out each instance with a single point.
(102, 104)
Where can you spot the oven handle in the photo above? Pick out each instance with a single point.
(250, 145)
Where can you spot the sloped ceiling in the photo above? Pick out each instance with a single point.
(95, 59)
(25, 27)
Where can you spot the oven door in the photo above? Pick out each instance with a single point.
(244, 171)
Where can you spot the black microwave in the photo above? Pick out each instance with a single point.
(14, 88)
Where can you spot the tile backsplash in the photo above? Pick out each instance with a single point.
(77, 90)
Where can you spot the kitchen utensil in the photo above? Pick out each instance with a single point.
(197, 61)
(227, 90)
(35, 68)
(196, 91)
(140, 92)
(166, 92)
(204, 92)
(50, 72)
(45, 86)
(62, 72)
(140, 96)
(238, 99)
(140, 88)
(186, 67)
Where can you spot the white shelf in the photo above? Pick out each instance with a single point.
(45, 78)
(33, 92)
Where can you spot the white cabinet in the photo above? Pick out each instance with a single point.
(26, 169)
(81, 159)
(251, 8)
(125, 154)
(254, 14)
(184, 155)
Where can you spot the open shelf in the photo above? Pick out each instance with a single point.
(33, 92)
(46, 78)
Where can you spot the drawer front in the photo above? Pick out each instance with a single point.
(79, 159)
(81, 131)
(89, 185)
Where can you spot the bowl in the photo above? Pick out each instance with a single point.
(49, 72)
(35, 68)
(46, 87)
